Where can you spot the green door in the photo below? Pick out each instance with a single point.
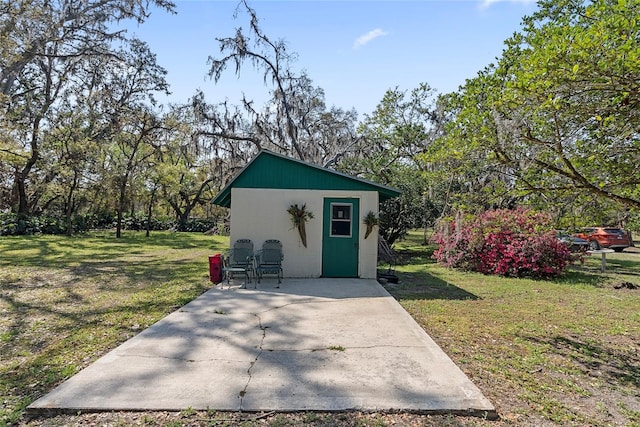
(340, 237)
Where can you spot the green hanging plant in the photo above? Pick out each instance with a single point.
(299, 217)
(371, 220)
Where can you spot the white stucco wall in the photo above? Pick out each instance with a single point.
(261, 214)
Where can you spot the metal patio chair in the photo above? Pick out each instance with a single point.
(269, 260)
(239, 260)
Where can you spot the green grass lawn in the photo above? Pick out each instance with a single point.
(544, 352)
(65, 301)
(563, 351)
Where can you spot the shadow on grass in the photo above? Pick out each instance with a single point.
(624, 266)
(46, 251)
(422, 285)
(413, 256)
(69, 331)
(52, 324)
(618, 365)
(155, 270)
(581, 276)
(425, 286)
(593, 276)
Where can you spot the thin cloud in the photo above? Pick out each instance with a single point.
(370, 36)
(485, 4)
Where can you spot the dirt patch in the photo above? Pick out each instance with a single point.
(212, 418)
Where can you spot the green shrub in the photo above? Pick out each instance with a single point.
(11, 224)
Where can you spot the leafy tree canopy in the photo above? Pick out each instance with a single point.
(559, 114)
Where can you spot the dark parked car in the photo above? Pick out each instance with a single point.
(576, 244)
(605, 237)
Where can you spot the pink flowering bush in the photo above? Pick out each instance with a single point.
(514, 243)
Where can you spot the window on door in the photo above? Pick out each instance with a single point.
(341, 220)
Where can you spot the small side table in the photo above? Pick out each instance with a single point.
(604, 253)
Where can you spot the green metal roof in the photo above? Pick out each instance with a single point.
(271, 170)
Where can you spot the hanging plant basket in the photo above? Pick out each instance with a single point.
(299, 217)
(370, 221)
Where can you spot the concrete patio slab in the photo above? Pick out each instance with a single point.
(316, 344)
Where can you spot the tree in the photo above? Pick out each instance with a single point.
(393, 138)
(131, 127)
(42, 45)
(186, 172)
(560, 110)
(295, 121)
(573, 90)
(555, 122)
(271, 57)
(465, 155)
(72, 154)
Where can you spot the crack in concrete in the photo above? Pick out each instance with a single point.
(261, 349)
(243, 392)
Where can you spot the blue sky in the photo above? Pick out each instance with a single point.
(354, 49)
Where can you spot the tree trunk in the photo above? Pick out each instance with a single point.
(120, 207)
(69, 210)
(150, 210)
(119, 224)
(183, 218)
(21, 192)
(21, 178)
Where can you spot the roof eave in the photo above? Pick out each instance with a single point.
(224, 197)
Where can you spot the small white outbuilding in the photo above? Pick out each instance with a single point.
(261, 194)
